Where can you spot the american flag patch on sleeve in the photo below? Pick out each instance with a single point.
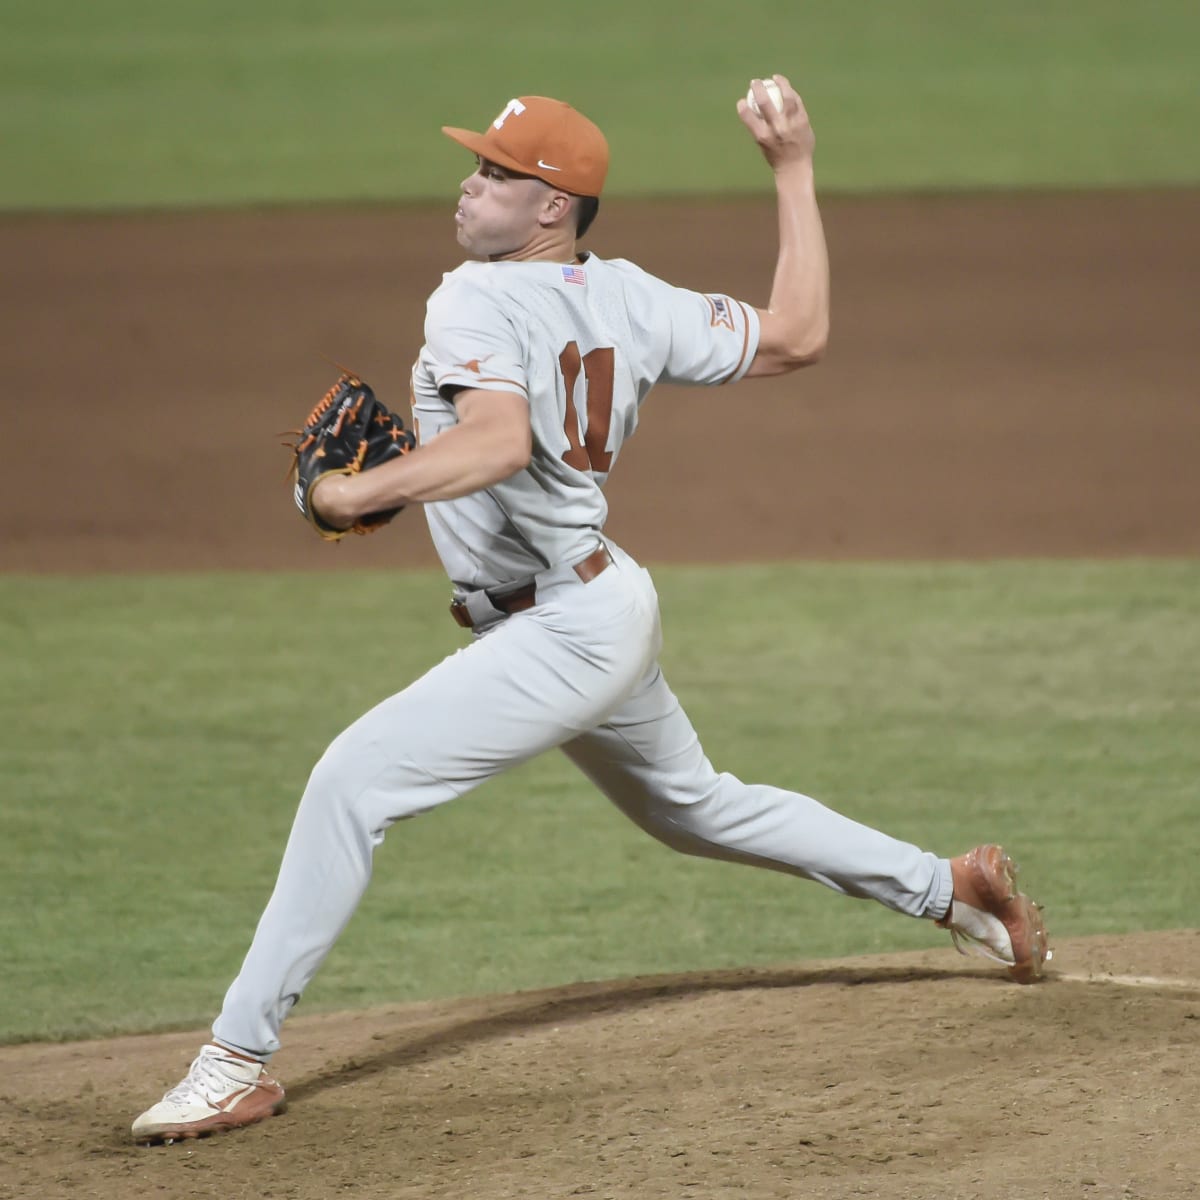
(573, 275)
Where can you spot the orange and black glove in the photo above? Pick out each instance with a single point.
(348, 431)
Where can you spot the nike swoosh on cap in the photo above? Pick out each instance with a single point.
(547, 167)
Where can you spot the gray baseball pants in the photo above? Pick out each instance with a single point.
(578, 670)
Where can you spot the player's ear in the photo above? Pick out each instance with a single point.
(556, 207)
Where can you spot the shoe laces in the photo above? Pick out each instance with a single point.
(969, 946)
(206, 1077)
(979, 932)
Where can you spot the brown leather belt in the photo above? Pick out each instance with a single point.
(525, 597)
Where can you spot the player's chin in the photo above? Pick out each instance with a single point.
(471, 241)
(480, 245)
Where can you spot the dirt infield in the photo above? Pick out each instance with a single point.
(1007, 377)
(914, 1077)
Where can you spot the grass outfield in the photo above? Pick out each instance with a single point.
(158, 731)
(130, 103)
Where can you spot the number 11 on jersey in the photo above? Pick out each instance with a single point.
(597, 369)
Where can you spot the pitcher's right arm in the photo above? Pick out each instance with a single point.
(794, 327)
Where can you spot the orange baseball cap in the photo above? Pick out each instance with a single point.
(546, 138)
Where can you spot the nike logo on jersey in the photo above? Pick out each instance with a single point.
(547, 167)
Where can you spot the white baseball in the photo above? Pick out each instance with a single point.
(772, 91)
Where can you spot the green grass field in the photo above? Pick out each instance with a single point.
(158, 732)
(132, 103)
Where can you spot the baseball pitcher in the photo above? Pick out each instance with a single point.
(537, 361)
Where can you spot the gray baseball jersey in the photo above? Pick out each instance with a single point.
(585, 344)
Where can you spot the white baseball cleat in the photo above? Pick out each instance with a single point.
(993, 918)
(221, 1091)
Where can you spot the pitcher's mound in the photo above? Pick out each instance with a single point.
(917, 1075)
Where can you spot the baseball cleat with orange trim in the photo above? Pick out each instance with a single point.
(992, 917)
(221, 1091)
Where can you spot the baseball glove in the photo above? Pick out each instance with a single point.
(348, 431)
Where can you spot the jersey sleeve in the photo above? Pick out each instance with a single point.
(713, 338)
(470, 342)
